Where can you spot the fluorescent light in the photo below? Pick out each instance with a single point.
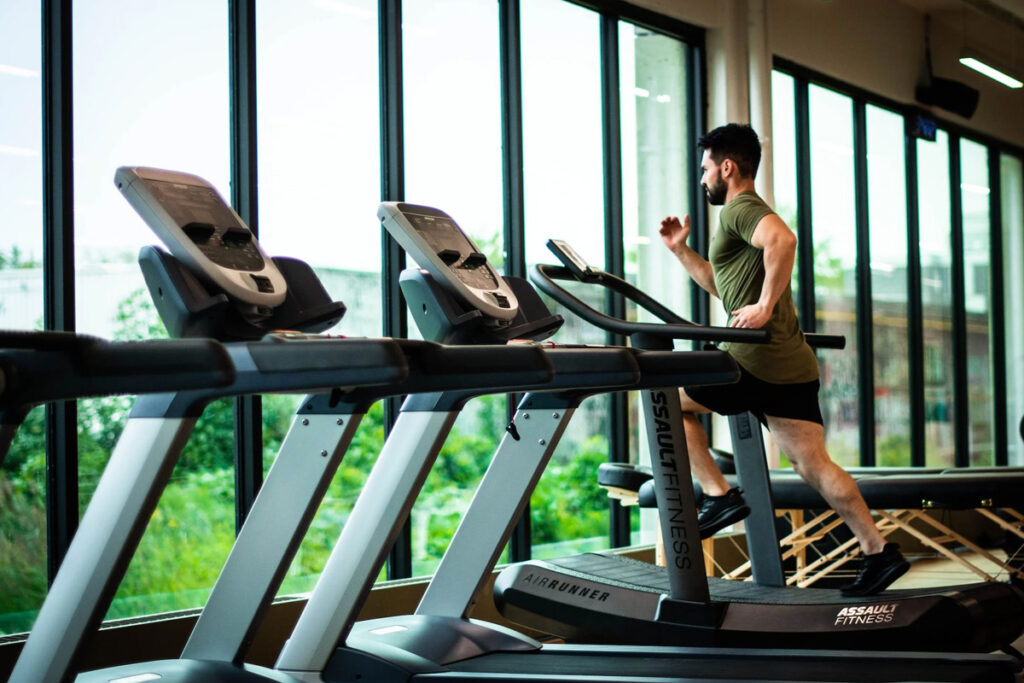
(987, 67)
(641, 92)
(18, 151)
(18, 71)
(663, 98)
(975, 189)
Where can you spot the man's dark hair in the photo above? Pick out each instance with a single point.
(734, 141)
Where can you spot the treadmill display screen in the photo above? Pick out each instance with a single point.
(442, 234)
(196, 209)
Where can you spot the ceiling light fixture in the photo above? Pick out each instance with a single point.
(986, 66)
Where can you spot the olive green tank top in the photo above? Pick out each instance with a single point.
(739, 274)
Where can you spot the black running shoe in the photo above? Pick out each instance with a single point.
(718, 512)
(877, 572)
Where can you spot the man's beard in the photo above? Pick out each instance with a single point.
(716, 195)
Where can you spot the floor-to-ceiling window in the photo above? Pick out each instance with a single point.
(936, 297)
(887, 218)
(659, 155)
(562, 187)
(140, 99)
(974, 192)
(1011, 173)
(932, 350)
(22, 472)
(452, 101)
(835, 284)
(319, 182)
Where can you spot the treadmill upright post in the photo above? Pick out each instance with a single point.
(500, 498)
(294, 487)
(110, 529)
(670, 465)
(379, 513)
(752, 469)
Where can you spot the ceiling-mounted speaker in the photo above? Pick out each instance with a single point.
(951, 95)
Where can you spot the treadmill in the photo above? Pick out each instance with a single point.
(218, 282)
(440, 640)
(679, 605)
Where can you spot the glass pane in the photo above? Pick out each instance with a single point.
(658, 165)
(835, 266)
(564, 200)
(133, 107)
(562, 160)
(453, 114)
(324, 214)
(319, 150)
(22, 474)
(887, 216)
(936, 298)
(1011, 185)
(657, 158)
(453, 162)
(784, 159)
(974, 191)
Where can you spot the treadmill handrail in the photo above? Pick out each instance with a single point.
(83, 366)
(674, 327)
(545, 275)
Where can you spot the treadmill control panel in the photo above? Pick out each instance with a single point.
(438, 245)
(201, 230)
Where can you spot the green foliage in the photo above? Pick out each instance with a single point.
(184, 547)
(15, 259)
(894, 450)
(568, 503)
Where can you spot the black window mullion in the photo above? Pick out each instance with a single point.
(700, 300)
(804, 227)
(997, 309)
(242, 75)
(961, 412)
(611, 131)
(696, 87)
(915, 310)
(513, 226)
(59, 271)
(865, 336)
(392, 188)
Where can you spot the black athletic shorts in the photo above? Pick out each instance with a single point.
(795, 401)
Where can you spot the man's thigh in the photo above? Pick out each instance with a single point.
(797, 438)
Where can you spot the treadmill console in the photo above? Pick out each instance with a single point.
(202, 231)
(438, 245)
(571, 259)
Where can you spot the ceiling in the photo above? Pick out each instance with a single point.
(994, 25)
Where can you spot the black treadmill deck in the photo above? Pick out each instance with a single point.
(598, 597)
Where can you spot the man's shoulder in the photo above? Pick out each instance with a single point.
(744, 211)
(746, 201)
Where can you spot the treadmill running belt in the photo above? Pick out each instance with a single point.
(643, 576)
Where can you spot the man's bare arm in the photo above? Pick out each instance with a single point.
(674, 234)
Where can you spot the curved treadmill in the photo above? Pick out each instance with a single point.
(604, 597)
